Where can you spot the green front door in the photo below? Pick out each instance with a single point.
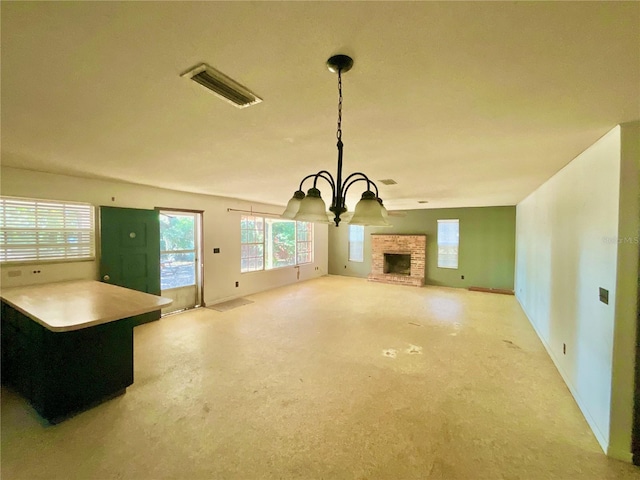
(130, 251)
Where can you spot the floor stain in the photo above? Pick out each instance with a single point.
(510, 344)
(416, 324)
(414, 350)
(390, 352)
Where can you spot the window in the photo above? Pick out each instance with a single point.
(268, 243)
(356, 243)
(178, 248)
(33, 230)
(252, 243)
(448, 239)
(280, 243)
(304, 242)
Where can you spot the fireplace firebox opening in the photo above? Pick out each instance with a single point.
(397, 263)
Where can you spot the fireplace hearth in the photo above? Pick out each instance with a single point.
(398, 259)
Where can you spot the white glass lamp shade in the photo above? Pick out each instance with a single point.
(312, 208)
(385, 214)
(369, 212)
(293, 206)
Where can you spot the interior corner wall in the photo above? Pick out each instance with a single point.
(486, 255)
(221, 229)
(627, 286)
(566, 250)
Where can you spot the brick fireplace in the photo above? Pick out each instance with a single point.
(398, 258)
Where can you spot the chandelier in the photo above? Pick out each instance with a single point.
(369, 210)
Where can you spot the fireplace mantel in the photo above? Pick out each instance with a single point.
(398, 243)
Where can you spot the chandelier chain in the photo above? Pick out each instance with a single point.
(339, 132)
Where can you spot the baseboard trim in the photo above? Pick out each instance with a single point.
(502, 291)
(600, 437)
(620, 455)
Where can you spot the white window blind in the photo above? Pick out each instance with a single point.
(34, 230)
(448, 241)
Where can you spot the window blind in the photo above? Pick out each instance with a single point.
(34, 230)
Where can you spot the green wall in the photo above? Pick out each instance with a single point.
(486, 256)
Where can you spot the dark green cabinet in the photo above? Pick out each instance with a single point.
(62, 373)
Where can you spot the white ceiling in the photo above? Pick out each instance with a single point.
(462, 103)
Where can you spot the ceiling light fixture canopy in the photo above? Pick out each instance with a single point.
(311, 208)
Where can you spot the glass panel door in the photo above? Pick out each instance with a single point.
(180, 272)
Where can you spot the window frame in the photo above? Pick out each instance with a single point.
(265, 242)
(448, 244)
(308, 242)
(356, 243)
(81, 214)
(165, 251)
(257, 243)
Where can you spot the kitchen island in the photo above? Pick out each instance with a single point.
(67, 346)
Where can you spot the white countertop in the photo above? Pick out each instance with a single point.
(67, 306)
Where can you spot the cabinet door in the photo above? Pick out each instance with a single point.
(21, 348)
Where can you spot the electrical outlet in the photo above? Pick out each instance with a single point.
(564, 348)
(237, 284)
(462, 277)
(216, 250)
(604, 296)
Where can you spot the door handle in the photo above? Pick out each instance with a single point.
(106, 278)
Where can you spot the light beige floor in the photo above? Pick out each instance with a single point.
(298, 386)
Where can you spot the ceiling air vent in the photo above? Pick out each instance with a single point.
(223, 86)
(388, 181)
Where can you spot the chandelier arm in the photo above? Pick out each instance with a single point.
(315, 176)
(362, 178)
(374, 186)
(328, 178)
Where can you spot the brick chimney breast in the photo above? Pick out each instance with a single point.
(398, 244)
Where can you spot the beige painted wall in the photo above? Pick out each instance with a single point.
(221, 229)
(567, 247)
